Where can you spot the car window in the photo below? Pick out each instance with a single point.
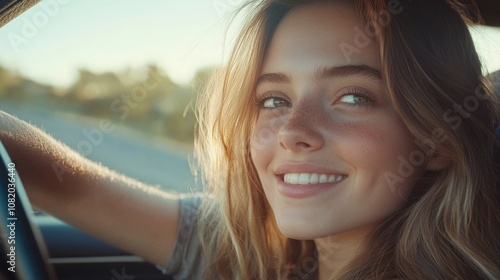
(116, 80)
(487, 41)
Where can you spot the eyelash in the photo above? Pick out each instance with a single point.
(260, 101)
(356, 92)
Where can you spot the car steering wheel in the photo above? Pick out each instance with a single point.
(22, 247)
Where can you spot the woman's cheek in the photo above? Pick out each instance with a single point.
(264, 136)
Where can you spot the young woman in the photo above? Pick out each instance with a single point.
(343, 140)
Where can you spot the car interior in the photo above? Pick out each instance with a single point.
(47, 248)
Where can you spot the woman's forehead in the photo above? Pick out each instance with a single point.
(321, 34)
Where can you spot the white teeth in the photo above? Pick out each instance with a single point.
(304, 178)
(308, 178)
(314, 179)
(323, 178)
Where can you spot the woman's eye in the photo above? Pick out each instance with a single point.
(272, 102)
(353, 99)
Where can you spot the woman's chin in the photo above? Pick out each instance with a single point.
(301, 229)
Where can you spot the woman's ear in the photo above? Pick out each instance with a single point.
(436, 162)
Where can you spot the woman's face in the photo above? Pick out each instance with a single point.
(331, 153)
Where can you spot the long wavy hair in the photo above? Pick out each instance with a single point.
(450, 226)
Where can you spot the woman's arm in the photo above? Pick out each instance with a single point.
(121, 211)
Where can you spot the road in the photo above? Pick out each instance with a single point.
(149, 160)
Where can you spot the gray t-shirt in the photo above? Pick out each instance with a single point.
(186, 260)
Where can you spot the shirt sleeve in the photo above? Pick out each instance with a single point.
(186, 260)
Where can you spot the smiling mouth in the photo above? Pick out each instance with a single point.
(311, 178)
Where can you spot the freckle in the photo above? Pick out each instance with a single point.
(311, 115)
(361, 131)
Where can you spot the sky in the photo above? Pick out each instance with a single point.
(54, 39)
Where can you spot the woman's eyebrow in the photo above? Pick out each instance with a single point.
(347, 70)
(277, 78)
(325, 73)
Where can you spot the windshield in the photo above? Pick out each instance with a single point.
(116, 80)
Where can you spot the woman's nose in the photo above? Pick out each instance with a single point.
(301, 130)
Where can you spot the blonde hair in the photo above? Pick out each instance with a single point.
(448, 228)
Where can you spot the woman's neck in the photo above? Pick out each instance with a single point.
(337, 251)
